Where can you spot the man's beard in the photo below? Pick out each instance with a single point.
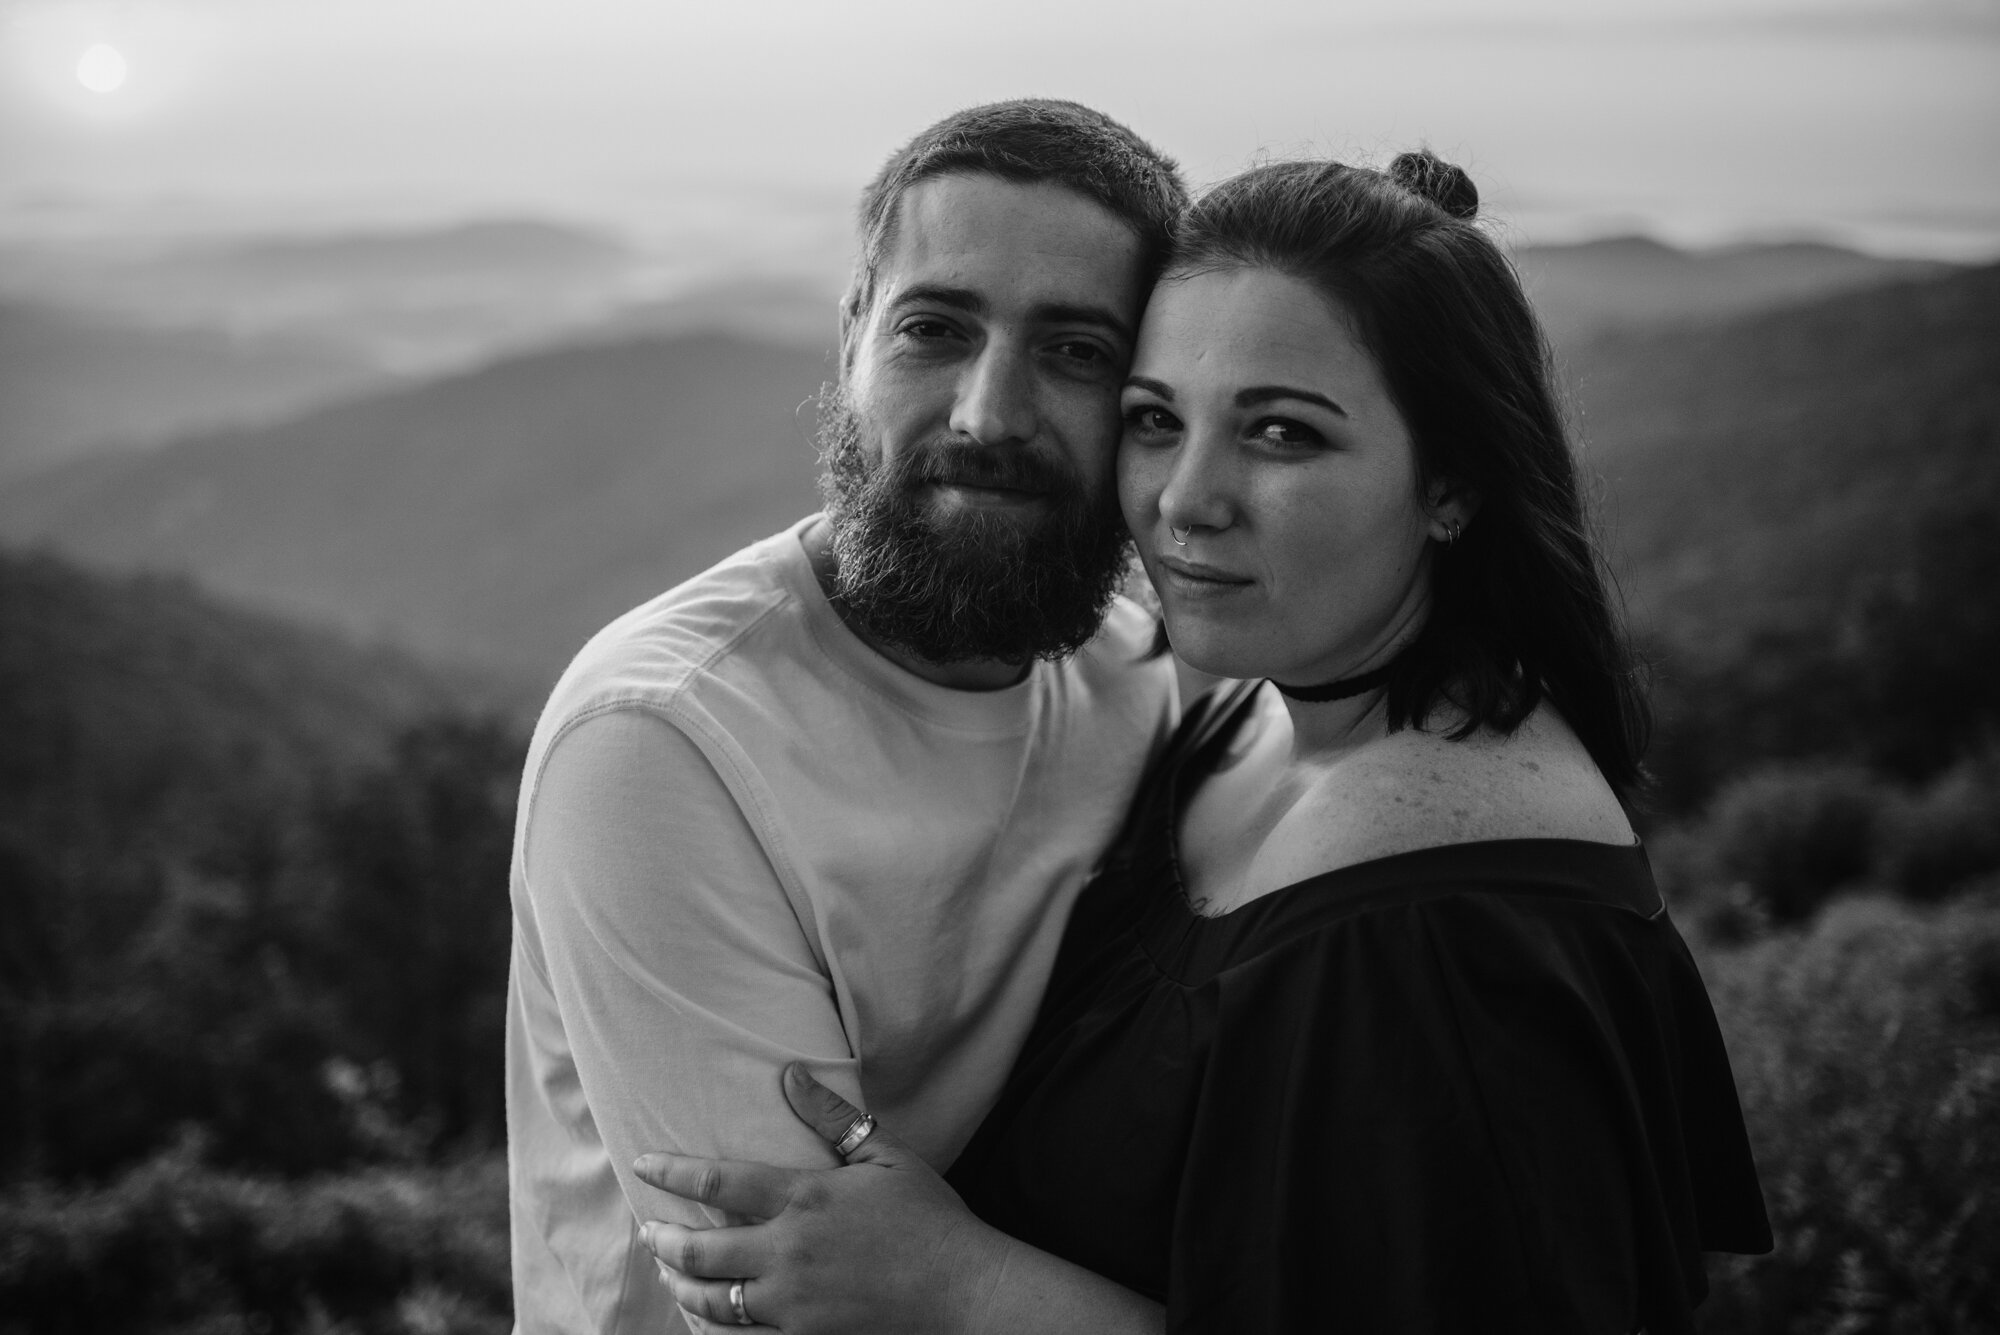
(958, 583)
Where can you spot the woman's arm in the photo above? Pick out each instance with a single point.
(881, 1245)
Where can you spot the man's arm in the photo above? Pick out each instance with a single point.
(683, 977)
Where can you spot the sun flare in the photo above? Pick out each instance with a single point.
(101, 69)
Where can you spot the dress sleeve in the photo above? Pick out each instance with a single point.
(683, 978)
(1448, 1118)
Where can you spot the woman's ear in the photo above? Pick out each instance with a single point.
(1451, 508)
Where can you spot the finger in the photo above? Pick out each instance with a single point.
(709, 1253)
(754, 1189)
(709, 1298)
(830, 1115)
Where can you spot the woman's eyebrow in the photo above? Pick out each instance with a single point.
(1256, 394)
(1150, 385)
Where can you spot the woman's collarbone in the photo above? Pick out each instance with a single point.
(1407, 793)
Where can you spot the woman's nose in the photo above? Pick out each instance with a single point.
(1198, 488)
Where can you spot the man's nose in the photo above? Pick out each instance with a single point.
(996, 398)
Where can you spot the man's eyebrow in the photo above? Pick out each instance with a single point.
(1151, 386)
(937, 294)
(974, 303)
(1256, 394)
(1065, 313)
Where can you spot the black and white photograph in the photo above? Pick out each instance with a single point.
(1081, 668)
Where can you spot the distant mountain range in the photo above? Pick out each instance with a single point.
(494, 518)
(73, 384)
(1767, 473)
(1759, 468)
(1632, 282)
(130, 349)
(106, 348)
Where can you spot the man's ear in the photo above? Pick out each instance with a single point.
(1451, 507)
(852, 320)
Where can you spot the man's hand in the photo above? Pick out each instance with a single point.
(882, 1244)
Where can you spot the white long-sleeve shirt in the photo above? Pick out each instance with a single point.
(744, 838)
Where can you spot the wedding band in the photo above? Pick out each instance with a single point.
(736, 1304)
(855, 1136)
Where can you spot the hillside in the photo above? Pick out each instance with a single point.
(1760, 473)
(152, 698)
(1802, 507)
(1633, 282)
(73, 384)
(497, 517)
(235, 854)
(136, 341)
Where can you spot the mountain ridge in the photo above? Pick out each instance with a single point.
(502, 515)
(576, 482)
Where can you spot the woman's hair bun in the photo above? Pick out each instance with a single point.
(1439, 181)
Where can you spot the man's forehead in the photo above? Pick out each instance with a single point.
(976, 231)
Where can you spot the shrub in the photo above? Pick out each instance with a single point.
(1778, 843)
(1867, 1052)
(1795, 834)
(1943, 835)
(175, 1245)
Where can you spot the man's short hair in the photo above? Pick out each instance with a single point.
(1029, 141)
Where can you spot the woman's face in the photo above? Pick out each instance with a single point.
(1258, 429)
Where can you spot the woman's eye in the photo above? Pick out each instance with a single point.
(1150, 420)
(1283, 431)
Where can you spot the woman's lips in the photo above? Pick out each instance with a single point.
(1197, 574)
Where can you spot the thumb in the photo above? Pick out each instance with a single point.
(831, 1116)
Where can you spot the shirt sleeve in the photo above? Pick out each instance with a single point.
(684, 978)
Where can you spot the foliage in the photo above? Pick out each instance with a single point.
(175, 1246)
(214, 827)
(1779, 841)
(416, 945)
(1867, 1052)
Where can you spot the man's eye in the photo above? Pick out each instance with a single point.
(1083, 352)
(926, 329)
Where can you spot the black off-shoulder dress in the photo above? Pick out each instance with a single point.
(1476, 1088)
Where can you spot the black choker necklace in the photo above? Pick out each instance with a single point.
(1338, 690)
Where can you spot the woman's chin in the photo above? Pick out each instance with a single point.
(1213, 655)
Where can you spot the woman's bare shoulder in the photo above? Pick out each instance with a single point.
(1420, 789)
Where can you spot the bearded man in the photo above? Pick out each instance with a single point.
(830, 801)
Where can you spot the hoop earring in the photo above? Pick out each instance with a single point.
(1451, 532)
(1175, 534)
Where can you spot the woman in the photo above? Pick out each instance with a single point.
(1373, 1019)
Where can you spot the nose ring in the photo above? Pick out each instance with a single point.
(1176, 535)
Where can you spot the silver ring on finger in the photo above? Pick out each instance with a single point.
(855, 1136)
(736, 1305)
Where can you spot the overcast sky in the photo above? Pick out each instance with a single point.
(741, 129)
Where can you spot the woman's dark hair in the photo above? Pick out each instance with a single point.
(1521, 605)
